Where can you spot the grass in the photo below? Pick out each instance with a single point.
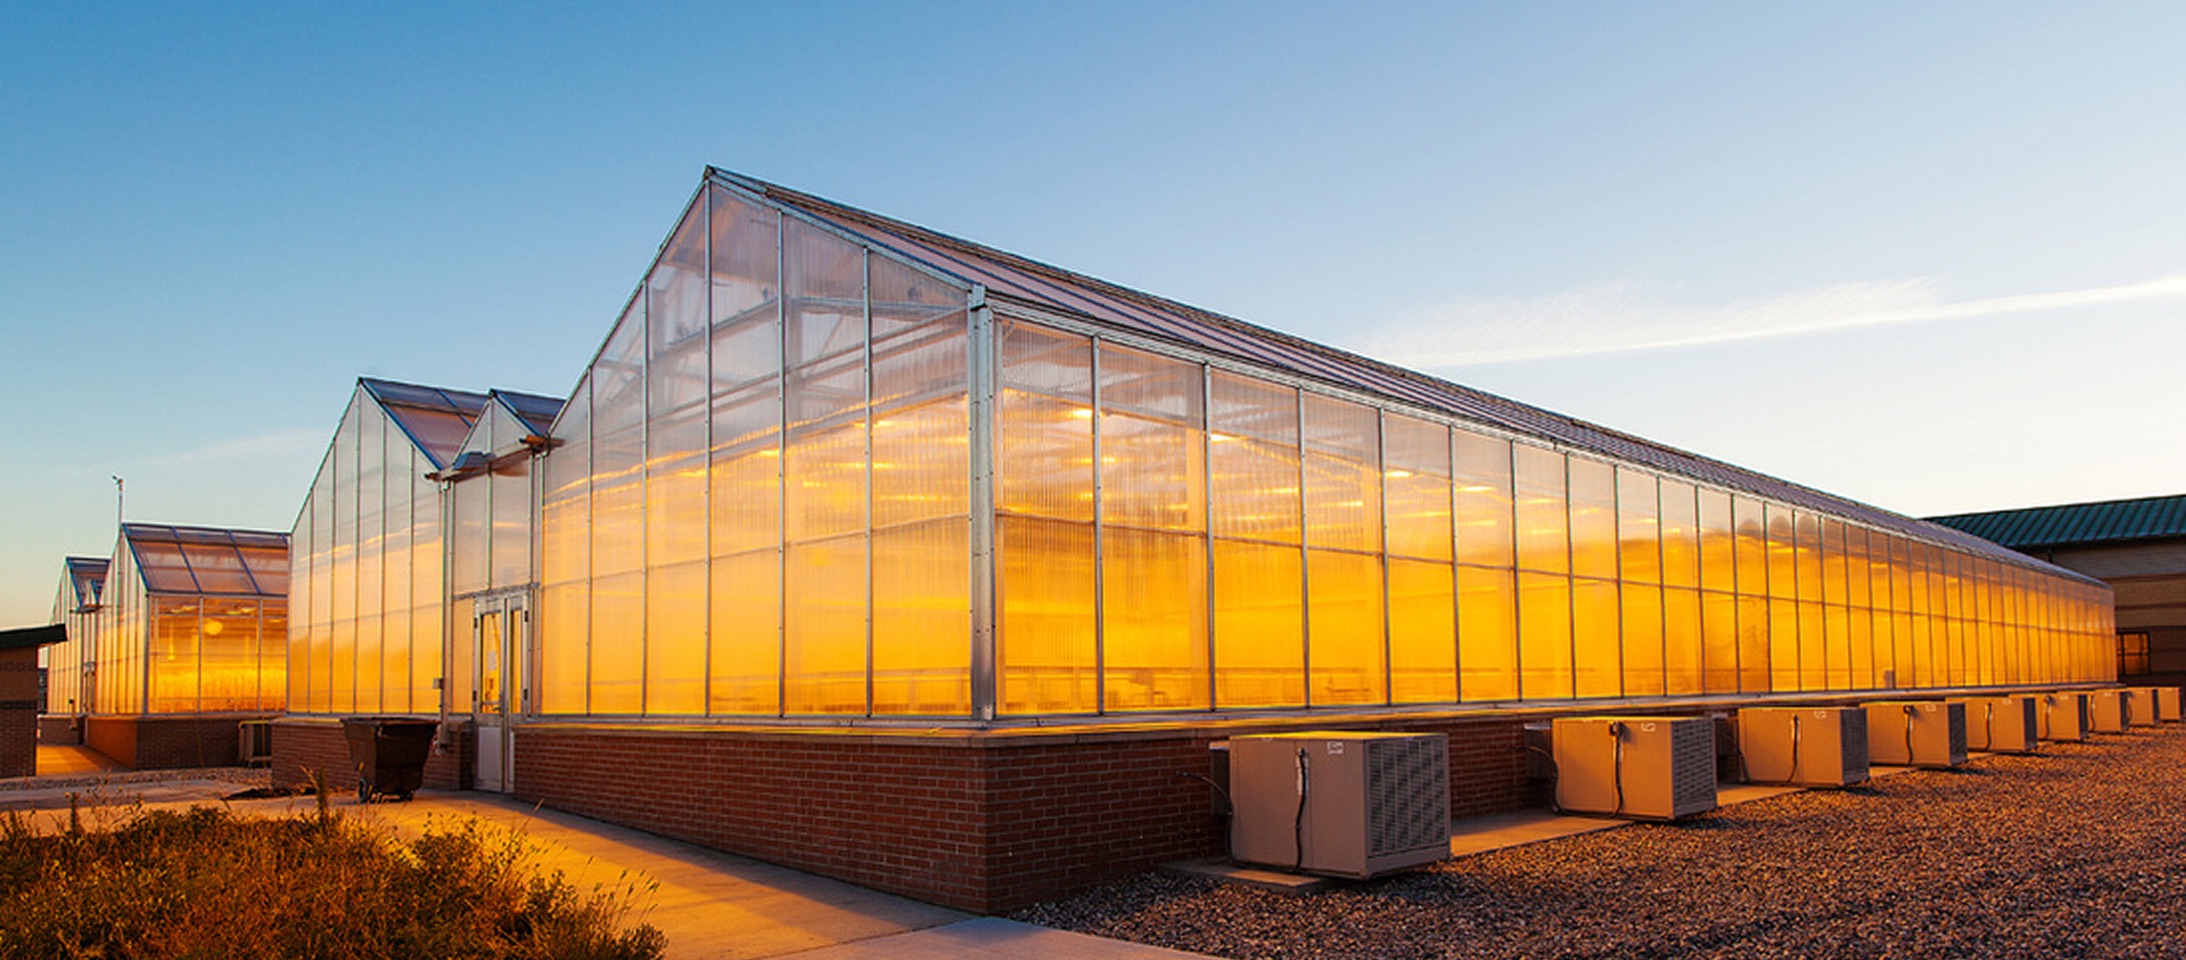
(208, 883)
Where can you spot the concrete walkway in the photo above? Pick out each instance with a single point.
(56, 760)
(711, 905)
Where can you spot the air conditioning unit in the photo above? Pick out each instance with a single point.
(1342, 804)
(1647, 768)
(1803, 746)
(2010, 724)
(2142, 710)
(2064, 716)
(2167, 705)
(2108, 710)
(1919, 733)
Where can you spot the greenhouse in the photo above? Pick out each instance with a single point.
(76, 606)
(834, 473)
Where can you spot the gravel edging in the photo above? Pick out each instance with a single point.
(2076, 851)
(245, 776)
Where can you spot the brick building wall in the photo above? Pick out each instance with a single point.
(19, 703)
(169, 742)
(302, 745)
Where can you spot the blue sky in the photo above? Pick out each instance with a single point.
(1928, 256)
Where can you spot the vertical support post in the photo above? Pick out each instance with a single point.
(1305, 554)
(1206, 492)
(981, 402)
(865, 280)
(1100, 584)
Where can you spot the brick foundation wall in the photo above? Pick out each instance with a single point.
(59, 730)
(168, 743)
(18, 738)
(304, 744)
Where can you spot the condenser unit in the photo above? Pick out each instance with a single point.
(1353, 805)
(1648, 768)
(2009, 724)
(2108, 710)
(1803, 746)
(2142, 710)
(1919, 733)
(2064, 716)
(2167, 705)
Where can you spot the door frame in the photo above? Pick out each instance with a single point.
(510, 678)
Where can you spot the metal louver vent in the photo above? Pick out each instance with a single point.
(1958, 733)
(1854, 742)
(1408, 795)
(1693, 761)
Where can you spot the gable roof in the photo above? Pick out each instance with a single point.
(208, 560)
(86, 578)
(437, 419)
(1011, 280)
(2105, 521)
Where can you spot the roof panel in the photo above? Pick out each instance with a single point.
(2107, 521)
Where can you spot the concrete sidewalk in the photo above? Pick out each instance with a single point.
(711, 905)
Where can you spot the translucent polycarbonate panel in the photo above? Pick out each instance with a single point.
(1254, 490)
(826, 482)
(1044, 457)
(747, 471)
(342, 662)
(618, 517)
(1045, 654)
(1422, 632)
(1813, 648)
(1543, 520)
(905, 298)
(921, 462)
(399, 591)
(824, 628)
(1416, 488)
(1259, 625)
(1904, 649)
(1152, 473)
(427, 591)
(827, 394)
(1833, 560)
(1857, 581)
(618, 375)
(1593, 519)
(675, 488)
(1640, 545)
(1154, 620)
(747, 350)
(228, 655)
(1484, 499)
(746, 255)
(1751, 529)
(1645, 658)
(1544, 638)
(676, 317)
(173, 651)
(163, 567)
(438, 431)
(1809, 540)
(1245, 406)
(471, 567)
(564, 622)
(825, 281)
(394, 663)
(512, 502)
(1783, 553)
(919, 365)
(1783, 633)
(1718, 542)
(1684, 663)
(922, 621)
(1754, 668)
(617, 664)
(371, 533)
(1954, 640)
(1345, 641)
(1719, 642)
(746, 634)
(368, 664)
(218, 568)
(1597, 649)
(272, 657)
(1680, 520)
(1927, 664)
(675, 640)
(1860, 641)
(1342, 475)
(1151, 387)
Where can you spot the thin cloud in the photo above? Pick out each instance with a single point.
(1615, 318)
(275, 443)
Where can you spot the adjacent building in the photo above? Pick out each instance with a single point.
(2137, 547)
(902, 559)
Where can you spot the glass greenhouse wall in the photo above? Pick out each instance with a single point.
(192, 620)
(370, 567)
(75, 606)
(832, 464)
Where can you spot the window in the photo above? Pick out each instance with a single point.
(2132, 653)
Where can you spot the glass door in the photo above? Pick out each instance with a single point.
(501, 628)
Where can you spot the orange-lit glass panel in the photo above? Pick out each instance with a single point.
(1259, 625)
(1813, 648)
(1719, 642)
(746, 634)
(1751, 530)
(1044, 650)
(1544, 543)
(1718, 544)
(1643, 648)
(1544, 639)
(1254, 488)
(1153, 456)
(1754, 668)
(1784, 645)
(922, 622)
(564, 615)
(675, 491)
(1593, 519)
(1640, 546)
(1484, 499)
(1683, 666)
(824, 628)
(1342, 470)
(675, 640)
(1860, 633)
(1154, 620)
(1783, 553)
(1809, 540)
(618, 644)
(1422, 632)
(1597, 654)
(1680, 535)
(1345, 628)
(1416, 487)
(1487, 634)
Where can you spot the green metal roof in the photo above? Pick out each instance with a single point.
(2108, 521)
(32, 636)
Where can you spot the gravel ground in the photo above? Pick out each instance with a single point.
(245, 776)
(2077, 852)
